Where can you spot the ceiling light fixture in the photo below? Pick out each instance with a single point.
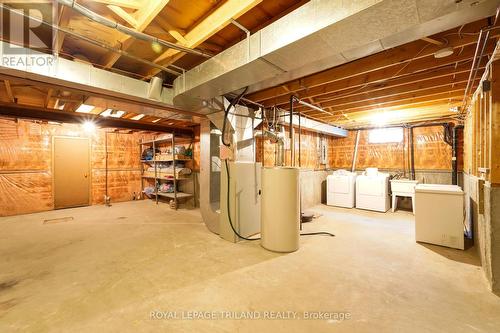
(89, 127)
(138, 117)
(85, 108)
(444, 52)
(112, 113)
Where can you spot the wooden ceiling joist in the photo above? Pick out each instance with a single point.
(120, 12)
(404, 100)
(8, 90)
(378, 80)
(213, 23)
(415, 88)
(62, 21)
(132, 4)
(417, 54)
(177, 33)
(433, 41)
(48, 98)
(143, 17)
(15, 110)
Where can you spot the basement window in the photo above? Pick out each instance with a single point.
(386, 135)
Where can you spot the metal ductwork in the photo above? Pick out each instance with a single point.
(88, 40)
(126, 30)
(59, 73)
(319, 35)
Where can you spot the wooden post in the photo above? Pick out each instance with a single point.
(494, 121)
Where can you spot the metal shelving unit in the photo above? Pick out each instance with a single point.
(176, 195)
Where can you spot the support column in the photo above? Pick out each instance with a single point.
(494, 176)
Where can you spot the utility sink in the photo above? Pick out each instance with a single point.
(403, 185)
(403, 188)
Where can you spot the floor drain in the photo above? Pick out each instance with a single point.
(59, 220)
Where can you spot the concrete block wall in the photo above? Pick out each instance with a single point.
(494, 207)
(312, 187)
(483, 212)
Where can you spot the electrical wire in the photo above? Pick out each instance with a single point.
(227, 144)
(233, 102)
(257, 238)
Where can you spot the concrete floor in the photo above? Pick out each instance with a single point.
(109, 268)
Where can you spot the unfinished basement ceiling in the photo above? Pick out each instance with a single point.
(407, 83)
(19, 93)
(404, 84)
(196, 24)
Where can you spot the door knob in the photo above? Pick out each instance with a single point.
(85, 175)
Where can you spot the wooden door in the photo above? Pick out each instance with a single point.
(71, 168)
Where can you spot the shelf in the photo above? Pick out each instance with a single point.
(170, 159)
(167, 160)
(165, 178)
(168, 139)
(150, 142)
(180, 195)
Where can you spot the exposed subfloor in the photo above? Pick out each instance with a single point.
(107, 269)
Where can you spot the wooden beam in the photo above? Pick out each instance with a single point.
(144, 16)
(15, 110)
(216, 21)
(8, 90)
(121, 13)
(494, 121)
(177, 33)
(402, 101)
(62, 21)
(48, 98)
(92, 91)
(432, 41)
(399, 115)
(132, 4)
(415, 88)
(375, 81)
(147, 13)
(393, 60)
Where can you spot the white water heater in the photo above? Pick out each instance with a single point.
(280, 209)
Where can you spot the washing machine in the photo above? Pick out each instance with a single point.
(340, 189)
(372, 191)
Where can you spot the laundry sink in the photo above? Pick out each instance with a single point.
(403, 185)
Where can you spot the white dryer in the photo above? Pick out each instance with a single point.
(372, 191)
(340, 189)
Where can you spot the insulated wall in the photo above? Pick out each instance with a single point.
(431, 152)
(26, 164)
(432, 157)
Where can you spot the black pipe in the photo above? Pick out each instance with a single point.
(106, 200)
(300, 143)
(412, 154)
(454, 164)
(293, 99)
